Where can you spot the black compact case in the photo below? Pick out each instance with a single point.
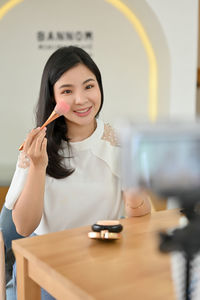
(106, 230)
(111, 228)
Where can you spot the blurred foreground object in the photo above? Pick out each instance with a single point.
(163, 158)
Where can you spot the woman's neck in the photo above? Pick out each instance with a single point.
(77, 133)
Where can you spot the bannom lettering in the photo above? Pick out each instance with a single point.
(73, 36)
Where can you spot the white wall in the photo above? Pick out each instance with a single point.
(198, 89)
(179, 20)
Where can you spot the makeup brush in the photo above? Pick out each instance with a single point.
(60, 109)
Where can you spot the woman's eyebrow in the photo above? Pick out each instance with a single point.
(65, 85)
(87, 80)
(70, 85)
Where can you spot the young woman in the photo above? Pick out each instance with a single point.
(68, 173)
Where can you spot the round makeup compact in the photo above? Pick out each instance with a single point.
(106, 230)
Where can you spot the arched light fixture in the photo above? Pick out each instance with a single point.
(153, 73)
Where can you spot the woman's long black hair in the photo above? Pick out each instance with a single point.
(59, 62)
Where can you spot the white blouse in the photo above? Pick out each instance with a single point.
(91, 193)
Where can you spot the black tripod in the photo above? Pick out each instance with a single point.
(186, 239)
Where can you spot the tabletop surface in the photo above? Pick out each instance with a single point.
(129, 268)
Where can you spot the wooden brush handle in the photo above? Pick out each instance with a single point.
(54, 115)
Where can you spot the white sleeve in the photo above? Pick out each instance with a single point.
(18, 181)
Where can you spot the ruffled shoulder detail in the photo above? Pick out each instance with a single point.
(107, 148)
(110, 135)
(23, 160)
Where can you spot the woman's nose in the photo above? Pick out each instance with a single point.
(80, 99)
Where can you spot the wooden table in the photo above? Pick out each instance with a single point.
(69, 265)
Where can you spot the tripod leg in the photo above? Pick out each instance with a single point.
(188, 260)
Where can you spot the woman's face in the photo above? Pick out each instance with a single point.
(79, 88)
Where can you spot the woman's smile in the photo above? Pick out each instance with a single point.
(83, 112)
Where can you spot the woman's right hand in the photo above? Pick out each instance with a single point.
(28, 209)
(35, 147)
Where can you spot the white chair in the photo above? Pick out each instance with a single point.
(2, 269)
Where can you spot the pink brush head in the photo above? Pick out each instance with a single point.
(62, 108)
